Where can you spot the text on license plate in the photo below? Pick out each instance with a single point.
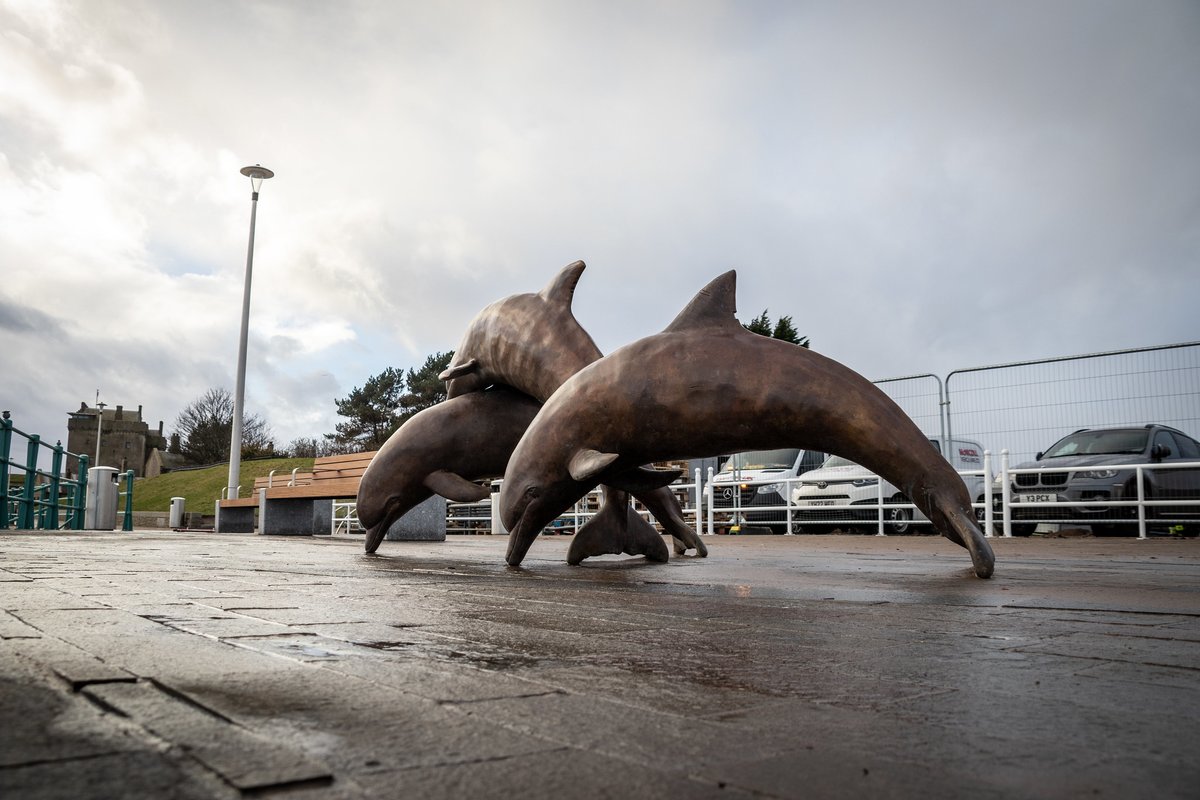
(1036, 498)
(820, 502)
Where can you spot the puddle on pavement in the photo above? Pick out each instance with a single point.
(486, 659)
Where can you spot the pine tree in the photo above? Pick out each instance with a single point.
(760, 324)
(374, 411)
(783, 330)
(370, 411)
(424, 387)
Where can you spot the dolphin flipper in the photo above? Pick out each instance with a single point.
(458, 370)
(665, 508)
(455, 487)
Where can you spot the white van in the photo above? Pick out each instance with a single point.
(841, 482)
(749, 484)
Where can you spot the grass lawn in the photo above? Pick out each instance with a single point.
(201, 488)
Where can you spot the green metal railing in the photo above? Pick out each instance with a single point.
(42, 500)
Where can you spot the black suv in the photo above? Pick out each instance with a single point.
(1083, 470)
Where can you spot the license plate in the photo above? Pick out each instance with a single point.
(820, 502)
(1036, 498)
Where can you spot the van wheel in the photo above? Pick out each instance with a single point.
(898, 520)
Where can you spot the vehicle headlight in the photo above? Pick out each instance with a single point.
(771, 487)
(1096, 474)
(865, 481)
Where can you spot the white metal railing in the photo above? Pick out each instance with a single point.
(345, 518)
(1141, 502)
(995, 510)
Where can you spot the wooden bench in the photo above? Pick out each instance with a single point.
(332, 478)
(305, 507)
(296, 506)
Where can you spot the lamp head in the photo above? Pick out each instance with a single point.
(257, 174)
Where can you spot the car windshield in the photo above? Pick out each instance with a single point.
(838, 461)
(1099, 443)
(762, 459)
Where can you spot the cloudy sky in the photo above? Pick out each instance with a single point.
(922, 186)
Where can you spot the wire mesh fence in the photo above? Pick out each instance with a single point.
(1027, 406)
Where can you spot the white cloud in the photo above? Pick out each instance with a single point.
(880, 174)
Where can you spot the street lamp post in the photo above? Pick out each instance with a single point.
(99, 421)
(257, 174)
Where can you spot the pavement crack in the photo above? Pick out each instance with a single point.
(500, 697)
(190, 701)
(288, 786)
(1097, 610)
(482, 760)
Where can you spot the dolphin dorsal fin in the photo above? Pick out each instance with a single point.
(713, 306)
(562, 288)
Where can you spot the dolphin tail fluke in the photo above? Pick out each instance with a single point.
(616, 529)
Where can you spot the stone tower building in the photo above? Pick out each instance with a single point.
(126, 442)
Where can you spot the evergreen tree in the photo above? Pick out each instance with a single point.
(370, 412)
(424, 388)
(783, 329)
(787, 332)
(384, 402)
(760, 324)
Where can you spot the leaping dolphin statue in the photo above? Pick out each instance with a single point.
(533, 343)
(704, 386)
(441, 450)
(445, 448)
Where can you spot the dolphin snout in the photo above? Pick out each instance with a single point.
(375, 537)
(971, 537)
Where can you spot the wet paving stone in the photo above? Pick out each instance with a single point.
(196, 665)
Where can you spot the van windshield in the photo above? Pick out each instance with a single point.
(763, 459)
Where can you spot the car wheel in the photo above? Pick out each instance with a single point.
(1023, 528)
(898, 520)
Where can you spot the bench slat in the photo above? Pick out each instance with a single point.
(326, 462)
(333, 489)
(348, 472)
(283, 479)
(240, 502)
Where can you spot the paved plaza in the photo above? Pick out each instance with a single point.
(196, 665)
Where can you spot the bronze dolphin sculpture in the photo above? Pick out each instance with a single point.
(703, 386)
(444, 448)
(441, 450)
(532, 342)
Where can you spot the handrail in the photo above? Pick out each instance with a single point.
(40, 503)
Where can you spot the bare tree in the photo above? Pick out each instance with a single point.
(205, 427)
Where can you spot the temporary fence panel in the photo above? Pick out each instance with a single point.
(922, 398)
(1026, 406)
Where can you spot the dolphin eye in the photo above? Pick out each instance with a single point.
(533, 491)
